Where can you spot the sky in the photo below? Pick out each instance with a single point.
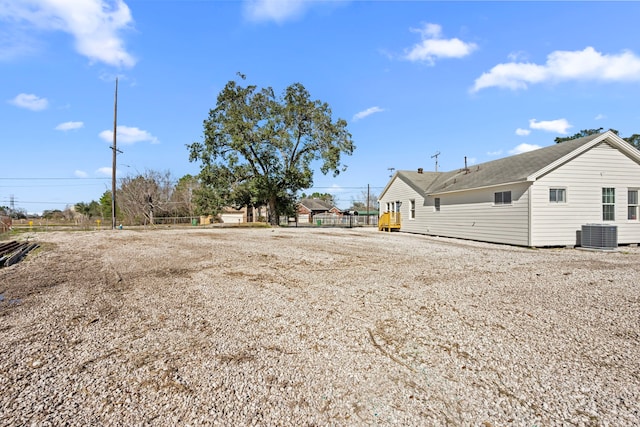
(413, 79)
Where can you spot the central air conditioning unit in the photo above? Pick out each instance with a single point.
(599, 236)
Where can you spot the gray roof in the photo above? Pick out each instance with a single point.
(501, 171)
(316, 204)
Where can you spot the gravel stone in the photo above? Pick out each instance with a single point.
(315, 326)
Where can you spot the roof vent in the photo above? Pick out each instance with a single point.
(420, 170)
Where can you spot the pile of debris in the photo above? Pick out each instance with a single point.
(13, 252)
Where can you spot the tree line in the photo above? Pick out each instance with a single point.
(140, 200)
(633, 139)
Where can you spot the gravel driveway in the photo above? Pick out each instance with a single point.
(314, 326)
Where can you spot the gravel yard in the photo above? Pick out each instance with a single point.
(293, 326)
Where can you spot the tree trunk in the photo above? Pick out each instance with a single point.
(273, 213)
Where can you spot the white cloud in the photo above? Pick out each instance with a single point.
(80, 174)
(274, 10)
(95, 24)
(367, 112)
(559, 126)
(15, 43)
(69, 126)
(129, 135)
(522, 132)
(587, 64)
(600, 117)
(30, 102)
(518, 56)
(106, 171)
(523, 148)
(433, 46)
(494, 153)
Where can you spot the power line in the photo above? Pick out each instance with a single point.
(52, 179)
(47, 186)
(20, 202)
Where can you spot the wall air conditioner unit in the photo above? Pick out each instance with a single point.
(599, 236)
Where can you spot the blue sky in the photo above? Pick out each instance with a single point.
(478, 79)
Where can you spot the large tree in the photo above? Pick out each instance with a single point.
(260, 149)
(183, 195)
(143, 197)
(633, 140)
(88, 210)
(366, 201)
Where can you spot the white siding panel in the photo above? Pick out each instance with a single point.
(472, 215)
(228, 218)
(400, 191)
(584, 177)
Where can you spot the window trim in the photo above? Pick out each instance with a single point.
(635, 205)
(412, 208)
(558, 190)
(502, 198)
(436, 204)
(608, 204)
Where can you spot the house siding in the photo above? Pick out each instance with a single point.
(473, 215)
(401, 191)
(583, 178)
(467, 210)
(467, 215)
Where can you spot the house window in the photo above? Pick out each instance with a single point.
(436, 203)
(412, 212)
(632, 202)
(502, 198)
(608, 204)
(557, 195)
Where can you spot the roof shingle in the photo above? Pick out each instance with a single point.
(501, 171)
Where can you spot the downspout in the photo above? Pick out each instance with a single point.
(529, 238)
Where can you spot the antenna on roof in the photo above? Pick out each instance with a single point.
(436, 156)
(391, 171)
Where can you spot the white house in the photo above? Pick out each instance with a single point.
(539, 198)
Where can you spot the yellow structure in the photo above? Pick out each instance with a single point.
(205, 220)
(389, 221)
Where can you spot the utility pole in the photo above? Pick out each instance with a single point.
(113, 163)
(436, 156)
(368, 196)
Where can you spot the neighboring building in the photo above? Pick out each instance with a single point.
(230, 215)
(539, 198)
(307, 208)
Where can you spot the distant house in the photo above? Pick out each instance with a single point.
(308, 207)
(231, 215)
(539, 198)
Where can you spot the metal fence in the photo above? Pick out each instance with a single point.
(43, 224)
(333, 220)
